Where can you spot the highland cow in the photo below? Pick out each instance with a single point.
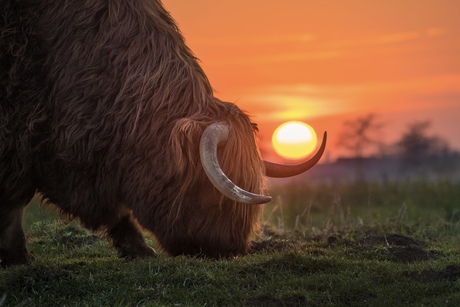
(107, 114)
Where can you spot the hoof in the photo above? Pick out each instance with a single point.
(139, 253)
(13, 260)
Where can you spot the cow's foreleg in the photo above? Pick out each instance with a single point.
(13, 249)
(128, 240)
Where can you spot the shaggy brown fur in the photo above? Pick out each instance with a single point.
(102, 106)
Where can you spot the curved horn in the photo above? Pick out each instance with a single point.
(282, 171)
(213, 135)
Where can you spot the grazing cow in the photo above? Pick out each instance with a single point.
(106, 112)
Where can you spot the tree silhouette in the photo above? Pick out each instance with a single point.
(361, 135)
(419, 150)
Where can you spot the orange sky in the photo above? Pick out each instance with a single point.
(324, 62)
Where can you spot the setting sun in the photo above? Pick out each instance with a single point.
(294, 140)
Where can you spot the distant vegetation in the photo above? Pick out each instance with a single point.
(416, 152)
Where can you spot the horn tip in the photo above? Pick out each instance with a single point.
(266, 199)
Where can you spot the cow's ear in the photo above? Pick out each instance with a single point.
(185, 140)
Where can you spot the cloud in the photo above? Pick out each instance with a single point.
(255, 40)
(318, 47)
(276, 58)
(291, 106)
(396, 37)
(400, 37)
(429, 84)
(297, 101)
(436, 31)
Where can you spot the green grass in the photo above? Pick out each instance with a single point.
(303, 206)
(391, 244)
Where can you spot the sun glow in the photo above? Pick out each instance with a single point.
(294, 140)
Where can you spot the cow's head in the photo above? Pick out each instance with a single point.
(218, 204)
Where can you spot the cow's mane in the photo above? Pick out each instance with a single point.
(131, 63)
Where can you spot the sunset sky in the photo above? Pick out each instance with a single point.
(324, 62)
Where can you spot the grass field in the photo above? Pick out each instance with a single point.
(348, 244)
